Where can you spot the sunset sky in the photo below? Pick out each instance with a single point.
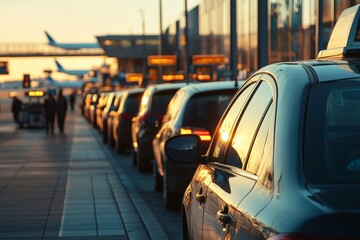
(24, 21)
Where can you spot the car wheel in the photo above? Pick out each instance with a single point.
(111, 140)
(171, 200)
(119, 147)
(140, 161)
(105, 135)
(158, 185)
(134, 158)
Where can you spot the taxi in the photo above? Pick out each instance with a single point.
(32, 113)
(284, 162)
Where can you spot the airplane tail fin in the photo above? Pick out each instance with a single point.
(59, 66)
(50, 39)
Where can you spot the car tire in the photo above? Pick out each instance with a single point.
(158, 185)
(119, 147)
(105, 134)
(111, 140)
(171, 200)
(134, 158)
(140, 161)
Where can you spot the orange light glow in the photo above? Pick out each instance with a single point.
(208, 59)
(185, 131)
(37, 93)
(163, 60)
(203, 77)
(173, 77)
(134, 77)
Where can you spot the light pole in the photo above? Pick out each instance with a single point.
(144, 41)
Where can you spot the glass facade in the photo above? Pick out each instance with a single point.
(291, 29)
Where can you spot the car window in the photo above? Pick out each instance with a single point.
(160, 101)
(204, 110)
(132, 103)
(332, 152)
(223, 133)
(250, 120)
(174, 106)
(257, 151)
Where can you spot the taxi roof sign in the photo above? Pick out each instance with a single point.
(133, 77)
(345, 37)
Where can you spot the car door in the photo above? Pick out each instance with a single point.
(230, 182)
(204, 174)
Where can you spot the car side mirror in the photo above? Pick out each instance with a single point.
(183, 148)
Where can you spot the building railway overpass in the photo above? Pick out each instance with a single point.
(44, 50)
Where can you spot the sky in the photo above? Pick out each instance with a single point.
(70, 21)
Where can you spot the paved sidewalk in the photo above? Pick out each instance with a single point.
(66, 185)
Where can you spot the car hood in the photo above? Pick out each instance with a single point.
(341, 198)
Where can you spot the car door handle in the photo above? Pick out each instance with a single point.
(200, 197)
(223, 216)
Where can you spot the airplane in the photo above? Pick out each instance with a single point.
(79, 73)
(65, 84)
(70, 46)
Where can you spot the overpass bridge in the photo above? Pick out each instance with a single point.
(44, 50)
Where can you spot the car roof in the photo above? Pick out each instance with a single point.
(165, 86)
(209, 86)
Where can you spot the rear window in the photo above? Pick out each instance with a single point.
(205, 110)
(332, 137)
(160, 101)
(132, 103)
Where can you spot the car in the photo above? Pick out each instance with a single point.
(100, 108)
(111, 106)
(92, 108)
(284, 162)
(196, 109)
(121, 127)
(147, 122)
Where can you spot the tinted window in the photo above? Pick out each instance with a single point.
(257, 151)
(132, 103)
(160, 101)
(174, 105)
(205, 110)
(223, 134)
(332, 151)
(248, 125)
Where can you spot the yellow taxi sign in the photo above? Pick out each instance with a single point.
(208, 59)
(173, 77)
(36, 93)
(162, 60)
(203, 77)
(133, 77)
(345, 37)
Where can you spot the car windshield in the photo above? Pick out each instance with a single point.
(332, 149)
(205, 110)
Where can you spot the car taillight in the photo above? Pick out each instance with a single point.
(202, 133)
(125, 116)
(307, 237)
(151, 118)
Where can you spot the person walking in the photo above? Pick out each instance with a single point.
(61, 110)
(15, 108)
(50, 107)
(72, 100)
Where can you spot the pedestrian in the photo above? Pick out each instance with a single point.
(72, 100)
(61, 110)
(50, 107)
(15, 108)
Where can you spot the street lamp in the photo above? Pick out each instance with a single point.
(144, 41)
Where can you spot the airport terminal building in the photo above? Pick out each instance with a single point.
(249, 33)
